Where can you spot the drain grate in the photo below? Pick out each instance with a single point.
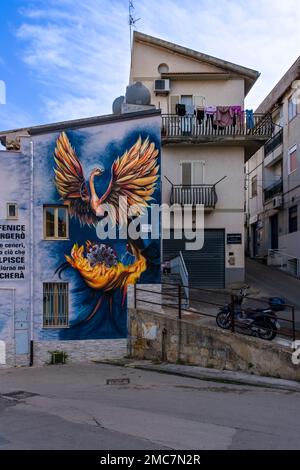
(117, 381)
(18, 395)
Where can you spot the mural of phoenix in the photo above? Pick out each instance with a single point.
(133, 175)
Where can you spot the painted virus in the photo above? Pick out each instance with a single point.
(101, 254)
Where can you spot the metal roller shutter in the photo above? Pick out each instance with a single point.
(206, 267)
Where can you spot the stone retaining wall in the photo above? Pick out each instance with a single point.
(161, 337)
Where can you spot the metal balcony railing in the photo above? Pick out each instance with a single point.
(174, 126)
(194, 195)
(273, 143)
(274, 190)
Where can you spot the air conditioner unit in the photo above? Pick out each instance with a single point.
(162, 86)
(277, 202)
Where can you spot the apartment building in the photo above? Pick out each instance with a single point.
(207, 136)
(273, 180)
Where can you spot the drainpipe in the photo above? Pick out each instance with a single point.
(13, 291)
(31, 247)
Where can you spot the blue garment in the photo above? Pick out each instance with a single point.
(249, 119)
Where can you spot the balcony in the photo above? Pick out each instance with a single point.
(273, 143)
(193, 195)
(187, 129)
(274, 190)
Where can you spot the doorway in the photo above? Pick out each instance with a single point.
(274, 231)
(254, 240)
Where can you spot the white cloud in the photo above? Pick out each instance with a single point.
(81, 55)
(79, 51)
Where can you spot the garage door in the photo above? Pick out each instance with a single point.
(206, 267)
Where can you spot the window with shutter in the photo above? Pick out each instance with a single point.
(293, 160)
(192, 172)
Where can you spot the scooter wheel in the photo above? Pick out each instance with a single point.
(223, 320)
(266, 331)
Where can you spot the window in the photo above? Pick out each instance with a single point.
(192, 172)
(188, 100)
(12, 210)
(163, 68)
(292, 107)
(55, 304)
(254, 186)
(56, 222)
(293, 219)
(292, 160)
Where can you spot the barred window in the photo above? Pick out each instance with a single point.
(55, 304)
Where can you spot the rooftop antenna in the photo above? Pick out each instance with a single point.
(132, 19)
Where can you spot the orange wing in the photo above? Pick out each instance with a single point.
(70, 181)
(135, 176)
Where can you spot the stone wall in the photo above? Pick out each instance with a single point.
(164, 338)
(80, 351)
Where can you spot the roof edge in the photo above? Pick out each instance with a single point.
(239, 69)
(83, 122)
(285, 82)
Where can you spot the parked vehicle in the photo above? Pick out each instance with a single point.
(261, 322)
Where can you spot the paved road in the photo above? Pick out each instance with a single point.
(273, 282)
(75, 409)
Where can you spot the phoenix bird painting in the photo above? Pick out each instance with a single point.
(106, 275)
(101, 271)
(133, 175)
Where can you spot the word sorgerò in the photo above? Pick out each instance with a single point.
(12, 232)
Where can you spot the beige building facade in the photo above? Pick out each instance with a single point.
(273, 180)
(202, 163)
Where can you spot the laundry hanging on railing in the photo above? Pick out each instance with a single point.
(238, 115)
(200, 114)
(180, 109)
(210, 110)
(249, 118)
(217, 116)
(224, 116)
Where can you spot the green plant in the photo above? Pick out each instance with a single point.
(58, 357)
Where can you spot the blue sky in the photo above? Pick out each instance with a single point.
(66, 59)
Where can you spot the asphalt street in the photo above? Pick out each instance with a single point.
(271, 282)
(74, 408)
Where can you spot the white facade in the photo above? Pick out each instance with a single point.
(200, 80)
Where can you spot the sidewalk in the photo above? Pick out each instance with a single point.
(213, 375)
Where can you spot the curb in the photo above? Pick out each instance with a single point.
(210, 375)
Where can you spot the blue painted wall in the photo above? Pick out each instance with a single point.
(94, 146)
(99, 145)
